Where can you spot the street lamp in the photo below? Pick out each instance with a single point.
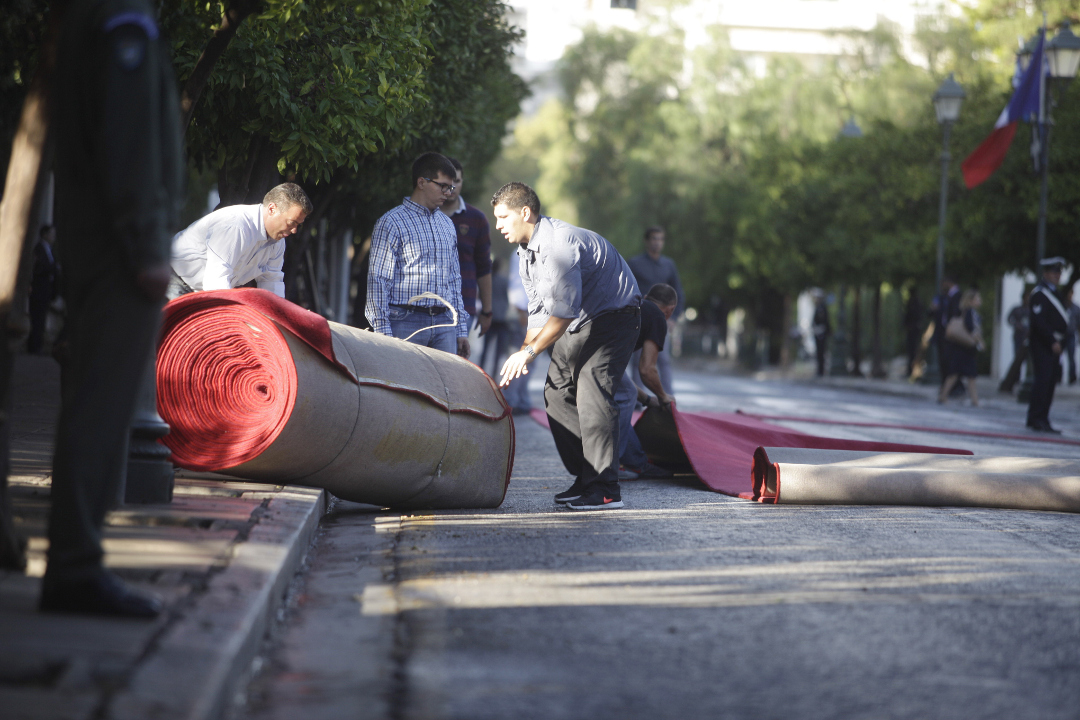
(947, 101)
(1063, 59)
(838, 365)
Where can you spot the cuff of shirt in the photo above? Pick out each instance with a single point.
(278, 288)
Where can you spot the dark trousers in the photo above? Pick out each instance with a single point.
(821, 345)
(1046, 367)
(1020, 355)
(579, 394)
(112, 329)
(39, 315)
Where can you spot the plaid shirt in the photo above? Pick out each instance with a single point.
(413, 250)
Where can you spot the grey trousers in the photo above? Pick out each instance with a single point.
(112, 329)
(586, 369)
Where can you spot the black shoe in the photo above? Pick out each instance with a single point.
(573, 493)
(599, 498)
(101, 594)
(1044, 427)
(652, 472)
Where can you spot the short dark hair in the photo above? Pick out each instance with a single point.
(516, 195)
(650, 231)
(663, 295)
(456, 164)
(429, 165)
(286, 195)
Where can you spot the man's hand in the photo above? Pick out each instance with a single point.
(515, 366)
(463, 347)
(484, 321)
(154, 281)
(1056, 347)
(663, 403)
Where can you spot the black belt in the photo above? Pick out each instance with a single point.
(628, 310)
(432, 310)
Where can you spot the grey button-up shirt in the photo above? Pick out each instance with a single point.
(571, 272)
(649, 272)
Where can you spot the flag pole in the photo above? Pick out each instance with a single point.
(1044, 146)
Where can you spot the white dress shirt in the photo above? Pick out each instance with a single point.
(229, 248)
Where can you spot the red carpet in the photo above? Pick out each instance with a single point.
(719, 447)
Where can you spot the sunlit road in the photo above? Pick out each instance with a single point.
(689, 604)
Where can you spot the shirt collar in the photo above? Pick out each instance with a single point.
(260, 223)
(543, 229)
(460, 206)
(417, 208)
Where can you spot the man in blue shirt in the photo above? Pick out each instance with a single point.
(650, 268)
(584, 304)
(414, 250)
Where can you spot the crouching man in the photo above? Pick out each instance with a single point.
(584, 304)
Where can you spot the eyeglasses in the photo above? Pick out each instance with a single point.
(446, 187)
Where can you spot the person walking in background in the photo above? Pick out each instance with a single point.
(119, 174)
(414, 250)
(1070, 334)
(516, 391)
(498, 334)
(944, 307)
(650, 268)
(43, 287)
(474, 251)
(238, 244)
(964, 356)
(914, 326)
(822, 330)
(1020, 323)
(1049, 323)
(584, 304)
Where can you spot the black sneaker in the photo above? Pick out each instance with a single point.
(597, 499)
(651, 472)
(573, 493)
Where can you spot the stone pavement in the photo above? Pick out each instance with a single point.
(220, 555)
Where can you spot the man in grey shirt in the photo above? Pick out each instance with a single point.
(585, 305)
(651, 268)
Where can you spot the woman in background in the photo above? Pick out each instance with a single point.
(964, 357)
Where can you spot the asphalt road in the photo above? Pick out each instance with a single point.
(689, 604)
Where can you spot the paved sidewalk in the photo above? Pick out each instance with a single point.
(220, 555)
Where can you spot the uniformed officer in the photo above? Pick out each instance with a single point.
(118, 188)
(1049, 321)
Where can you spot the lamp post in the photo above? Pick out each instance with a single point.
(947, 101)
(838, 364)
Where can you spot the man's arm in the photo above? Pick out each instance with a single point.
(273, 276)
(540, 339)
(650, 376)
(482, 258)
(382, 261)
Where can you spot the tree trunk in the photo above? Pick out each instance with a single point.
(856, 332)
(877, 367)
(785, 324)
(235, 13)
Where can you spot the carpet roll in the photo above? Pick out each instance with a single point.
(258, 388)
(838, 477)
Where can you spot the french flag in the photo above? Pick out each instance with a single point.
(1024, 106)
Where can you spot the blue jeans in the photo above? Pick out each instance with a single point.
(405, 322)
(631, 454)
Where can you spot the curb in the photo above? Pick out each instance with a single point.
(200, 662)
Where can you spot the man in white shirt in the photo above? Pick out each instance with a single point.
(234, 245)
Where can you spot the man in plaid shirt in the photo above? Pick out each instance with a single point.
(414, 251)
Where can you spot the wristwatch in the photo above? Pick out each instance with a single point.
(529, 349)
(485, 314)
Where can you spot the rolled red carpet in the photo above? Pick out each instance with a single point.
(226, 382)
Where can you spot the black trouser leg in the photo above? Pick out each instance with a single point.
(579, 394)
(112, 328)
(1044, 365)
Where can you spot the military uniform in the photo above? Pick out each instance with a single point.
(118, 172)
(1048, 324)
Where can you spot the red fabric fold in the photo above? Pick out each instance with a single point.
(304, 324)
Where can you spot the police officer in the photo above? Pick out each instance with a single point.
(1049, 321)
(118, 182)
